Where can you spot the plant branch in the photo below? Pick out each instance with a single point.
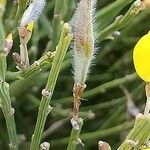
(36, 67)
(102, 88)
(97, 134)
(47, 93)
(5, 100)
(139, 135)
(74, 137)
(121, 21)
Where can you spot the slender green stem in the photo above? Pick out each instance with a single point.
(47, 93)
(120, 22)
(8, 112)
(36, 67)
(110, 10)
(97, 134)
(113, 118)
(73, 141)
(113, 102)
(57, 22)
(2, 34)
(102, 88)
(139, 135)
(5, 100)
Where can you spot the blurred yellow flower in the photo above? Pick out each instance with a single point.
(141, 57)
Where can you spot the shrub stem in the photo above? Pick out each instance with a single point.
(47, 93)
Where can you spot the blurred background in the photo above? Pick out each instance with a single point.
(114, 93)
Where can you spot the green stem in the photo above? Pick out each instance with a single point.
(36, 67)
(113, 102)
(96, 134)
(139, 135)
(73, 141)
(47, 93)
(110, 10)
(102, 88)
(119, 23)
(5, 100)
(57, 22)
(8, 112)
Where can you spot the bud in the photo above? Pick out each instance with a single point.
(83, 39)
(103, 146)
(45, 146)
(8, 44)
(17, 58)
(32, 12)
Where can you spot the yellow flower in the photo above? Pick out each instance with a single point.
(141, 57)
(30, 26)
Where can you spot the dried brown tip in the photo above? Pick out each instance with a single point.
(24, 34)
(77, 93)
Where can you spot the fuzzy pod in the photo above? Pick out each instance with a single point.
(82, 23)
(32, 12)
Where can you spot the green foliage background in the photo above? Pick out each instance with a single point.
(104, 109)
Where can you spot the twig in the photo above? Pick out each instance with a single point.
(36, 67)
(102, 20)
(121, 21)
(139, 135)
(5, 100)
(77, 92)
(74, 137)
(97, 134)
(102, 88)
(57, 22)
(47, 93)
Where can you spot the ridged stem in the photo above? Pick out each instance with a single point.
(139, 135)
(57, 22)
(47, 93)
(74, 137)
(121, 21)
(36, 67)
(5, 100)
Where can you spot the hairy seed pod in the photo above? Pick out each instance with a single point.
(33, 12)
(83, 39)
